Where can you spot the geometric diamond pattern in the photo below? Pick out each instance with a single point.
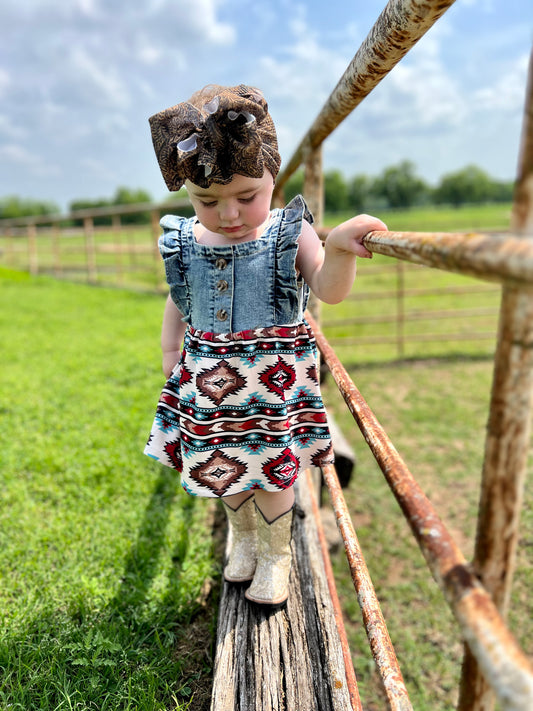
(283, 470)
(220, 381)
(229, 427)
(279, 377)
(219, 472)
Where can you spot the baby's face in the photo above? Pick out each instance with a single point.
(237, 210)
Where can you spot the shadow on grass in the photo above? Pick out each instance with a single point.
(136, 652)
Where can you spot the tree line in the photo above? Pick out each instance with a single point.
(397, 186)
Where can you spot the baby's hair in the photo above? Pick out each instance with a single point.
(207, 93)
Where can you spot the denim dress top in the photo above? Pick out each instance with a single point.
(226, 289)
(242, 409)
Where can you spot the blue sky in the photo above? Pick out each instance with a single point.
(79, 79)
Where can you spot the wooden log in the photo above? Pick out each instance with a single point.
(287, 659)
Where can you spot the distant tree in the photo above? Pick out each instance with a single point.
(294, 186)
(127, 196)
(400, 186)
(13, 206)
(468, 185)
(181, 194)
(359, 192)
(502, 190)
(335, 191)
(87, 204)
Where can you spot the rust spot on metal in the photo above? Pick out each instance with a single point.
(497, 652)
(397, 29)
(351, 680)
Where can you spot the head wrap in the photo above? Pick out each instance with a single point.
(219, 132)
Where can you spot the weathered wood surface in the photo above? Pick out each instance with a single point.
(288, 660)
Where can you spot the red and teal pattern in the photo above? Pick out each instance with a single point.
(242, 411)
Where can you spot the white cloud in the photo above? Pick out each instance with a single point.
(506, 94)
(5, 81)
(18, 156)
(298, 80)
(200, 16)
(10, 129)
(90, 78)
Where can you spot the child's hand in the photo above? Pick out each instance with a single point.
(348, 236)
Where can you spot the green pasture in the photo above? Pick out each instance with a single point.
(435, 412)
(110, 574)
(106, 565)
(433, 218)
(127, 256)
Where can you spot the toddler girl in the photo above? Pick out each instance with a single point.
(241, 412)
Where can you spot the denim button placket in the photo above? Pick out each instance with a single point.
(222, 294)
(246, 302)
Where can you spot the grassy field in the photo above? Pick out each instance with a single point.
(110, 573)
(128, 257)
(494, 217)
(435, 412)
(106, 565)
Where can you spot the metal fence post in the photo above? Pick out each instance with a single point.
(508, 435)
(400, 309)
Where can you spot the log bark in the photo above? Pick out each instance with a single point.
(287, 659)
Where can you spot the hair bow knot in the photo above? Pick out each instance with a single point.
(217, 133)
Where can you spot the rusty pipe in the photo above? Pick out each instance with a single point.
(399, 27)
(375, 626)
(493, 257)
(503, 662)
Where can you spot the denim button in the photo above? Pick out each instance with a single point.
(222, 315)
(222, 285)
(221, 263)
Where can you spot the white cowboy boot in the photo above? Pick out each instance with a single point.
(242, 557)
(270, 585)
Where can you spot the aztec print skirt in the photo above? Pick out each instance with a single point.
(242, 411)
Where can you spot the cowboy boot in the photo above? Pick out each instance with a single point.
(270, 585)
(242, 557)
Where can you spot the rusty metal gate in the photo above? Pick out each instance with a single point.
(478, 594)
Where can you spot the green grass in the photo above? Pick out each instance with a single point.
(104, 560)
(432, 333)
(435, 413)
(493, 217)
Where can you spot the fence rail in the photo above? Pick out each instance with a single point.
(479, 597)
(125, 255)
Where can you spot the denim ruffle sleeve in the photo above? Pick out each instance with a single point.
(171, 248)
(291, 292)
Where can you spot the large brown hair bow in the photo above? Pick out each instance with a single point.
(219, 132)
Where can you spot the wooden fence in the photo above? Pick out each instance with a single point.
(125, 255)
